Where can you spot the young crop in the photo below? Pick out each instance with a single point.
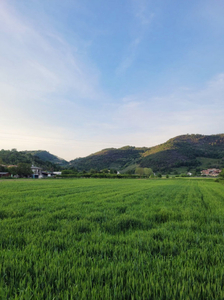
(111, 239)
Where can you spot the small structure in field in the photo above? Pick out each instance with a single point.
(4, 174)
(57, 173)
(47, 174)
(211, 172)
(37, 172)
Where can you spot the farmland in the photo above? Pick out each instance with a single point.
(112, 239)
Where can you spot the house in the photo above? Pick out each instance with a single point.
(37, 172)
(46, 174)
(4, 174)
(211, 172)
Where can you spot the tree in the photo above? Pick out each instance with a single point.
(222, 174)
(139, 171)
(24, 170)
(66, 172)
(13, 170)
(113, 171)
(148, 171)
(2, 169)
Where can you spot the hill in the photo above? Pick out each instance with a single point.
(47, 156)
(39, 158)
(109, 158)
(193, 151)
(182, 153)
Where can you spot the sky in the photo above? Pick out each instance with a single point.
(78, 76)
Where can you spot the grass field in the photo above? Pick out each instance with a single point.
(111, 239)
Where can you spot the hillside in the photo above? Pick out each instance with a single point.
(110, 158)
(13, 157)
(47, 156)
(186, 151)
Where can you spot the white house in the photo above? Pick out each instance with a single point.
(37, 172)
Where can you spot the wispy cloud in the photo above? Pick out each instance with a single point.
(52, 90)
(142, 12)
(44, 59)
(142, 18)
(43, 81)
(130, 56)
(151, 120)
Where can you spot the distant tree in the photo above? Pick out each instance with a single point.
(139, 171)
(13, 170)
(105, 171)
(66, 172)
(222, 174)
(167, 175)
(130, 172)
(74, 170)
(159, 175)
(24, 170)
(2, 169)
(113, 171)
(148, 171)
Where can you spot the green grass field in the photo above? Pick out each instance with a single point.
(111, 239)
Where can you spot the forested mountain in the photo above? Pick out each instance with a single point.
(110, 158)
(14, 157)
(47, 156)
(191, 151)
(185, 152)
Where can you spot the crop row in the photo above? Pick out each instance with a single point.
(111, 239)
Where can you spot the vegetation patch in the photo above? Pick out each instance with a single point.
(112, 239)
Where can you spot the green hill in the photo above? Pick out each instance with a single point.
(186, 152)
(109, 158)
(47, 156)
(39, 158)
(182, 152)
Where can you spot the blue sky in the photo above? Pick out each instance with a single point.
(79, 76)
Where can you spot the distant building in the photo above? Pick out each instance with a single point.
(211, 172)
(46, 174)
(37, 172)
(4, 174)
(57, 173)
